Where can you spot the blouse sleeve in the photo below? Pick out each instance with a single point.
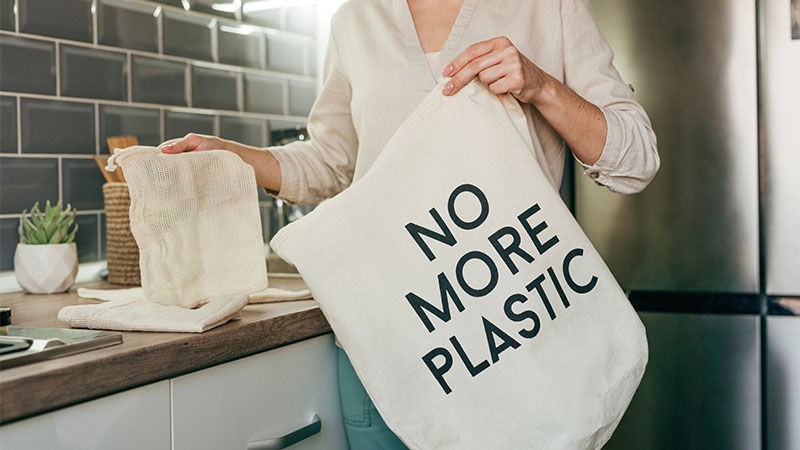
(322, 166)
(629, 159)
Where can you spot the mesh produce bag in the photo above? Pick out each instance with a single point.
(196, 220)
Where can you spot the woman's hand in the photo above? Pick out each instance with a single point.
(504, 69)
(499, 65)
(266, 166)
(192, 142)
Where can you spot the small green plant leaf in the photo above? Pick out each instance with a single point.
(71, 237)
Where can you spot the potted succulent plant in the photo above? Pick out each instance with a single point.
(46, 259)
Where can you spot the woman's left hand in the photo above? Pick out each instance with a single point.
(501, 66)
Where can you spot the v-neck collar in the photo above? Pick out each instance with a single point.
(413, 48)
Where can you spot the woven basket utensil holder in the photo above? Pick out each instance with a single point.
(121, 249)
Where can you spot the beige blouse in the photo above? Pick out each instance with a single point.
(375, 73)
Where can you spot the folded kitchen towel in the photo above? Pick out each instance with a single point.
(129, 310)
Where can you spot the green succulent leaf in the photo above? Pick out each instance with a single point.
(54, 225)
(71, 237)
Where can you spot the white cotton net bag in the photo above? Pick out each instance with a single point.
(196, 220)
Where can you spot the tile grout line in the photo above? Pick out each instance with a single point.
(129, 77)
(19, 125)
(58, 70)
(187, 109)
(84, 212)
(286, 97)
(240, 91)
(94, 22)
(214, 41)
(96, 128)
(48, 155)
(60, 182)
(164, 56)
(160, 31)
(187, 85)
(162, 124)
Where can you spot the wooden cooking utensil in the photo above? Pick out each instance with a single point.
(115, 142)
(101, 163)
(120, 142)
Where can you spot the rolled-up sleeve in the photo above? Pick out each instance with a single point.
(629, 159)
(322, 166)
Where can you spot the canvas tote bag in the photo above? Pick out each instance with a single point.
(196, 221)
(474, 309)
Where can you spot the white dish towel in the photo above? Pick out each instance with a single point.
(129, 310)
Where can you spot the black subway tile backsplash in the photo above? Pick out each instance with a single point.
(52, 126)
(144, 123)
(285, 54)
(24, 181)
(27, 65)
(8, 124)
(82, 183)
(7, 17)
(158, 81)
(263, 93)
(187, 36)
(125, 24)
(301, 97)
(240, 46)
(160, 74)
(214, 88)
(68, 19)
(246, 130)
(87, 72)
(9, 237)
(86, 237)
(178, 124)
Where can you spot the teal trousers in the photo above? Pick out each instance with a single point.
(364, 427)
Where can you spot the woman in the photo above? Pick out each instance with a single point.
(384, 56)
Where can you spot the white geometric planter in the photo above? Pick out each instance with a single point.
(46, 268)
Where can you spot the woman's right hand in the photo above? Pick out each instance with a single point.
(266, 167)
(192, 142)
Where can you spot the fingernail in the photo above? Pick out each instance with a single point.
(448, 88)
(165, 147)
(447, 69)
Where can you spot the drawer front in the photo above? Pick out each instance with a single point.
(260, 397)
(134, 419)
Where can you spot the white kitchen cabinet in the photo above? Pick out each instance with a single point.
(134, 419)
(260, 397)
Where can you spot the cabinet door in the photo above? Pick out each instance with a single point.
(134, 419)
(260, 397)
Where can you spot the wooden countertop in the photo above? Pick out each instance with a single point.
(142, 357)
